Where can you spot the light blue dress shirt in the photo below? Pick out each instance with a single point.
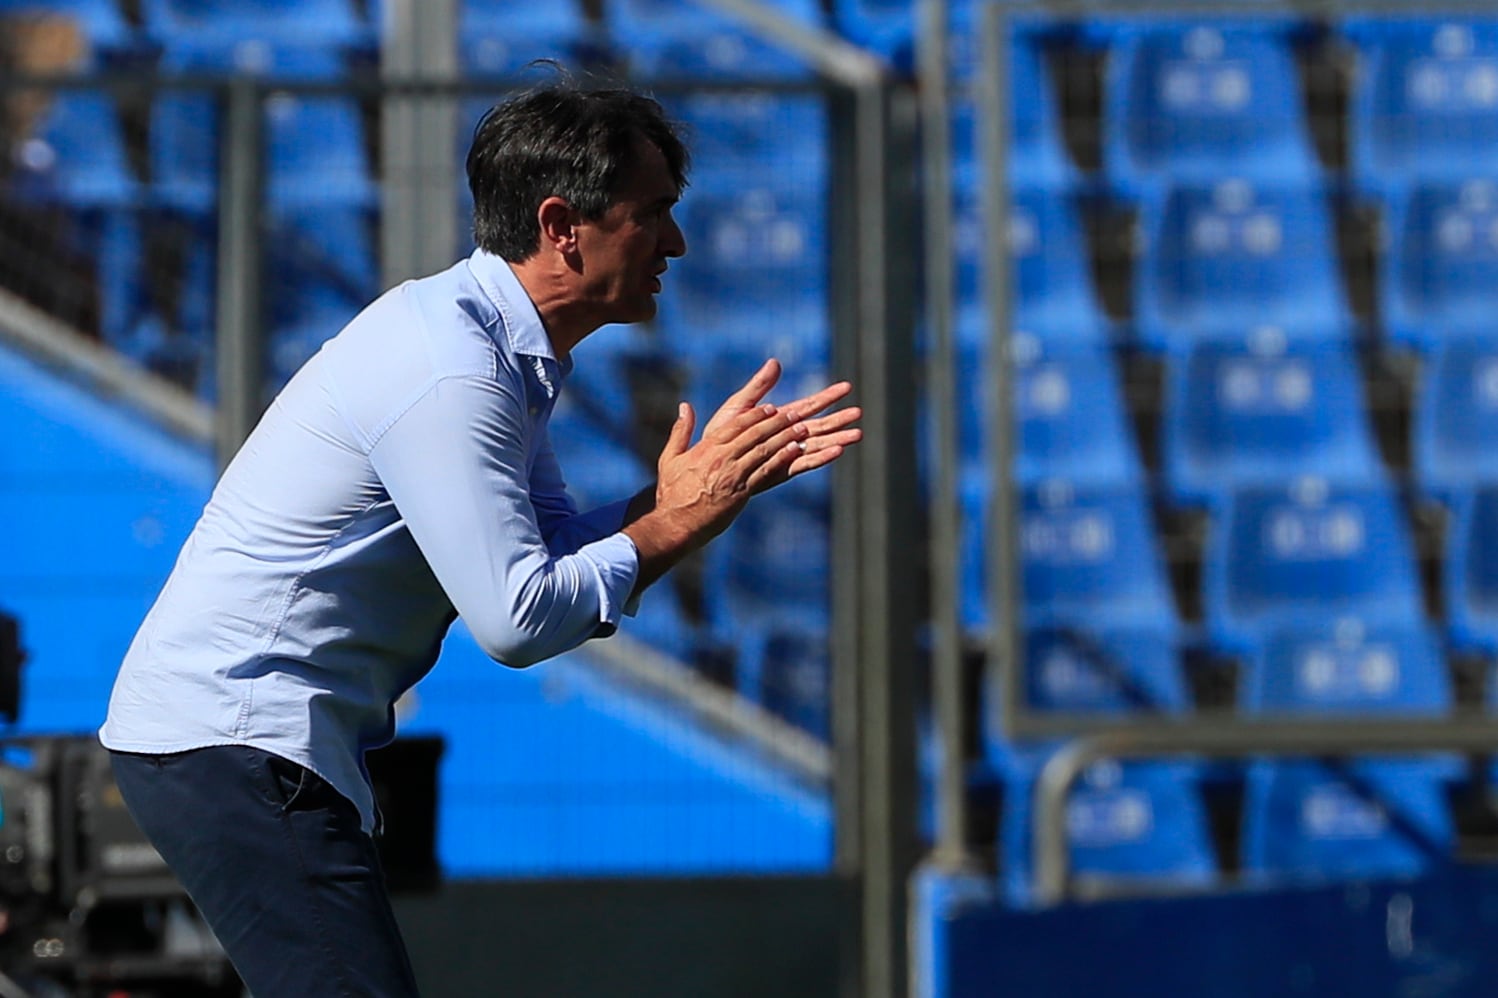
(403, 476)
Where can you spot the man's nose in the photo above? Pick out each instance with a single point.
(672, 242)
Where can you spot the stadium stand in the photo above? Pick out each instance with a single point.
(1072, 422)
(1471, 580)
(315, 148)
(334, 24)
(498, 39)
(1090, 556)
(1053, 295)
(1262, 410)
(1224, 258)
(1310, 821)
(1308, 546)
(767, 595)
(1368, 817)
(1441, 262)
(1199, 102)
(1134, 827)
(1421, 107)
(755, 274)
(1455, 416)
(691, 41)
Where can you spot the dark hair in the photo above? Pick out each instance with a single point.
(562, 140)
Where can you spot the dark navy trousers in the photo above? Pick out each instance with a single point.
(276, 862)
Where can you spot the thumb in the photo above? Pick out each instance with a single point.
(681, 431)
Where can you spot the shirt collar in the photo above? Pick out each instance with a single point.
(522, 323)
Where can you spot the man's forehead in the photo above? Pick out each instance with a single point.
(648, 176)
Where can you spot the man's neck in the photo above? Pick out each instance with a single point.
(552, 292)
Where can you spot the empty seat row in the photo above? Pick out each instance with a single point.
(1146, 821)
(1193, 100)
(1145, 825)
(495, 36)
(1091, 553)
(1222, 259)
(1234, 413)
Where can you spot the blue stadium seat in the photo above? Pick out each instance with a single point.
(1364, 818)
(328, 24)
(1355, 665)
(320, 273)
(1072, 423)
(1275, 552)
(1441, 261)
(315, 146)
(767, 589)
(318, 265)
(77, 161)
(1470, 571)
(77, 154)
(667, 38)
(755, 276)
(1128, 825)
(1456, 417)
(1263, 410)
(1202, 103)
(1088, 551)
(499, 38)
(1079, 667)
(1052, 293)
(1424, 103)
(769, 136)
(597, 468)
(1036, 148)
(1228, 258)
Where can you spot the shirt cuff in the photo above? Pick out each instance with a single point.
(617, 564)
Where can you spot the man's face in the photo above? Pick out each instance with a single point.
(624, 252)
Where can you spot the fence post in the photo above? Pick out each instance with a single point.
(240, 335)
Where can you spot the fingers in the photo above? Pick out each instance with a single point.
(680, 437)
(776, 468)
(815, 403)
(755, 389)
(834, 421)
(756, 442)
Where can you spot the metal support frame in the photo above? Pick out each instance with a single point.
(1324, 737)
(240, 336)
(1005, 583)
(947, 686)
(876, 792)
(419, 192)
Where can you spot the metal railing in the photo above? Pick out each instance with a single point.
(1321, 737)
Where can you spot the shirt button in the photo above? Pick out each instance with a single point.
(535, 409)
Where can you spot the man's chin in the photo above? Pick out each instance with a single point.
(642, 312)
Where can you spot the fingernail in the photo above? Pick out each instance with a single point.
(681, 410)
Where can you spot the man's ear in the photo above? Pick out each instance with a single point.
(558, 228)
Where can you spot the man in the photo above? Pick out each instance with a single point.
(403, 477)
